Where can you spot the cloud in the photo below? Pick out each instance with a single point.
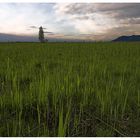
(84, 18)
(90, 8)
(33, 27)
(100, 19)
(18, 18)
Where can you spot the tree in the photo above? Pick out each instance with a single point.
(41, 34)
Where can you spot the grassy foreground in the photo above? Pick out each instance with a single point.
(70, 89)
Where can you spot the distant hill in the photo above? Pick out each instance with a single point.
(22, 38)
(128, 38)
(14, 38)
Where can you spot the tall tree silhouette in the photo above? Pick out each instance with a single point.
(41, 34)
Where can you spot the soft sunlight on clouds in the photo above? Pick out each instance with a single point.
(95, 23)
(101, 19)
(16, 18)
(71, 21)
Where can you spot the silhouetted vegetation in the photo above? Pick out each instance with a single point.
(41, 34)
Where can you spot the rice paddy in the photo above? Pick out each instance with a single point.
(70, 89)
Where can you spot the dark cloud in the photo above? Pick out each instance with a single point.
(82, 8)
(129, 12)
(33, 27)
(48, 32)
(115, 10)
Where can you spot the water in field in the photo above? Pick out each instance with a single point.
(70, 89)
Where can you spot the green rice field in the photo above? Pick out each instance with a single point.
(70, 89)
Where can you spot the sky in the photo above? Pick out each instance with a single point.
(68, 21)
